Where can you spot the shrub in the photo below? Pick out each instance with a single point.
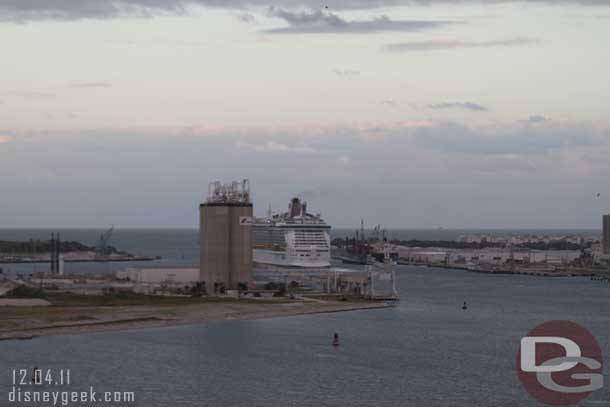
(24, 291)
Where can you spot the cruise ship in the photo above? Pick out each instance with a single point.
(294, 239)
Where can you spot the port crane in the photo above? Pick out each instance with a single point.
(102, 247)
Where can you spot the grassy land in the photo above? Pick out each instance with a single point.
(81, 313)
(72, 309)
(125, 299)
(130, 299)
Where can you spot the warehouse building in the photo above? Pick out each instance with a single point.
(155, 280)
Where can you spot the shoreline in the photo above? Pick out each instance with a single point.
(590, 272)
(145, 317)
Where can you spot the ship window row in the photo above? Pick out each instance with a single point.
(316, 238)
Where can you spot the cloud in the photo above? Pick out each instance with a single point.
(32, 94)
(59, 116)
(435, 45)
(346, 72)
(85, 85)
(275, 147)
(246, 18)
(507, 140)
(19, 11)
(416, 174)
(388, 103)
(537, 119)
(311, 22)
(459, 105)
(28, 10)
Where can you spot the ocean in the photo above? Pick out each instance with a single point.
(426, 351)
(180, 247)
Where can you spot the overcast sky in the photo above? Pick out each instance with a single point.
(430, 113)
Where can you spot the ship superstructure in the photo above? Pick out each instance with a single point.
(294, 239)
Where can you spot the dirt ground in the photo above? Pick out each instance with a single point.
(19, 322)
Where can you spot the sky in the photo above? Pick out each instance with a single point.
(407, 113)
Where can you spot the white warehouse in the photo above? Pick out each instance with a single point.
(150, 280)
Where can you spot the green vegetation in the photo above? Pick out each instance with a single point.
(24, 291)
(452, 244)
(129, 299)
(280, 288)
(80, 323)
(553, 245)
(340, 297)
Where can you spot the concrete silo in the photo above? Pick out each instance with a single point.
(225, 237)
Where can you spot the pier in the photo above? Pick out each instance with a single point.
(83, 259)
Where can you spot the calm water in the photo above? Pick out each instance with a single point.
(424, 352)
(180, 247)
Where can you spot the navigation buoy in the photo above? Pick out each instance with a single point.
(336, 339)
(464, 307)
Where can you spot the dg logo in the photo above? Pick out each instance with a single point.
(560, 363)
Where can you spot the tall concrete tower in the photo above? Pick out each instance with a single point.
(225, 237)
(606, 235)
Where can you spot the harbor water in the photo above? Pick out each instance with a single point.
(426, 351)
(180, 247)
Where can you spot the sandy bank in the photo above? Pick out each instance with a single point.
(23, 302)
(27, 323)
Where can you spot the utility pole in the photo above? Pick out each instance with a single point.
(57, 251)
(52, 254)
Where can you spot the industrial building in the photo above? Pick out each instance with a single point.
(151, 280)
(225, 237)
(606, 235)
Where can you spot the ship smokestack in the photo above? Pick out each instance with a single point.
(295, 207)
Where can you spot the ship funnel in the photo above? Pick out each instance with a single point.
(295, 207)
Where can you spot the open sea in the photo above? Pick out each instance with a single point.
(180, 247)
(426, 351)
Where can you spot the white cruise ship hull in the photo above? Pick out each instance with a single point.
(272, 258)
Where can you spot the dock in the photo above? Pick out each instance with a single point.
(84, 259)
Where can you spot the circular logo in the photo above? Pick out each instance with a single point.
(560, 363)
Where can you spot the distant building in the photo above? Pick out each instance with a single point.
(606, 235)
(152, 280)
(225, 237)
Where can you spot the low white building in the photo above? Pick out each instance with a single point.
(150, 280)
(422, 255)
